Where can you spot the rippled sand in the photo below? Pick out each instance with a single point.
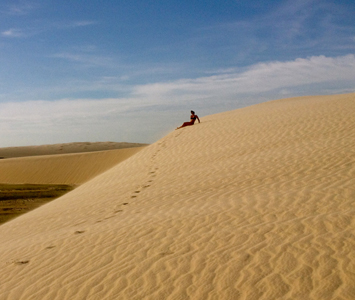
(257, 203)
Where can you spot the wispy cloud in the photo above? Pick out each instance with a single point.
(82, 23)
(72, 24)
(35, 29)
(302, 27)
(27, 32)
(19, 8)
(12, 32)
(86, 59)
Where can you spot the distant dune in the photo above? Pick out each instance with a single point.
(73, 169)
(10, 152)
(256, 203)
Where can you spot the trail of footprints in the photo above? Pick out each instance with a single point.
(135, 194)
(151, 175)
(147, 184)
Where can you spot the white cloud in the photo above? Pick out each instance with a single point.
(85, 59)
(82, 23)
(35, 30)
(259, 78)
(73, 24)
(12, 33)
(287, 29)
(20, 8)
(152, 109)
(41, 122)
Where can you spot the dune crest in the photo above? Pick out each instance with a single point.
(256, 203)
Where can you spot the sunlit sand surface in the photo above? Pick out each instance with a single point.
(257, 203)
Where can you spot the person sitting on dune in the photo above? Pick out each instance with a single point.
(192, 118)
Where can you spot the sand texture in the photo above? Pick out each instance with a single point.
(10, 152)
(257, 203)
(73, 169)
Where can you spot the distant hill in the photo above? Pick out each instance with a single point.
(10, 152)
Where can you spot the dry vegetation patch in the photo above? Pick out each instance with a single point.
(17, 199)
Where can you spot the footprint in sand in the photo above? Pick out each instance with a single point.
(166, 253)
(21, 262)
(79, 231)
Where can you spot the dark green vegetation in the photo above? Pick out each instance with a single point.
(17, 199)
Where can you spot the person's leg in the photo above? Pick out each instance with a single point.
(185, 124)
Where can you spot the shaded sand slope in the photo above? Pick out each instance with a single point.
(10, 152)
(71, 169)
(256, 203)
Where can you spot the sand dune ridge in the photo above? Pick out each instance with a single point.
(256, 203)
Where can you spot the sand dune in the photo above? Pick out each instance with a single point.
(257, 203)
(10, 152)
(73, 169)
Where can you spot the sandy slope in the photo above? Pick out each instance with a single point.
(10, 152)
(257, 203)
(71, 169)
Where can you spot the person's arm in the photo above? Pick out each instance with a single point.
(198, 119)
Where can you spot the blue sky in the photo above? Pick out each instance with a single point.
(132, 70)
